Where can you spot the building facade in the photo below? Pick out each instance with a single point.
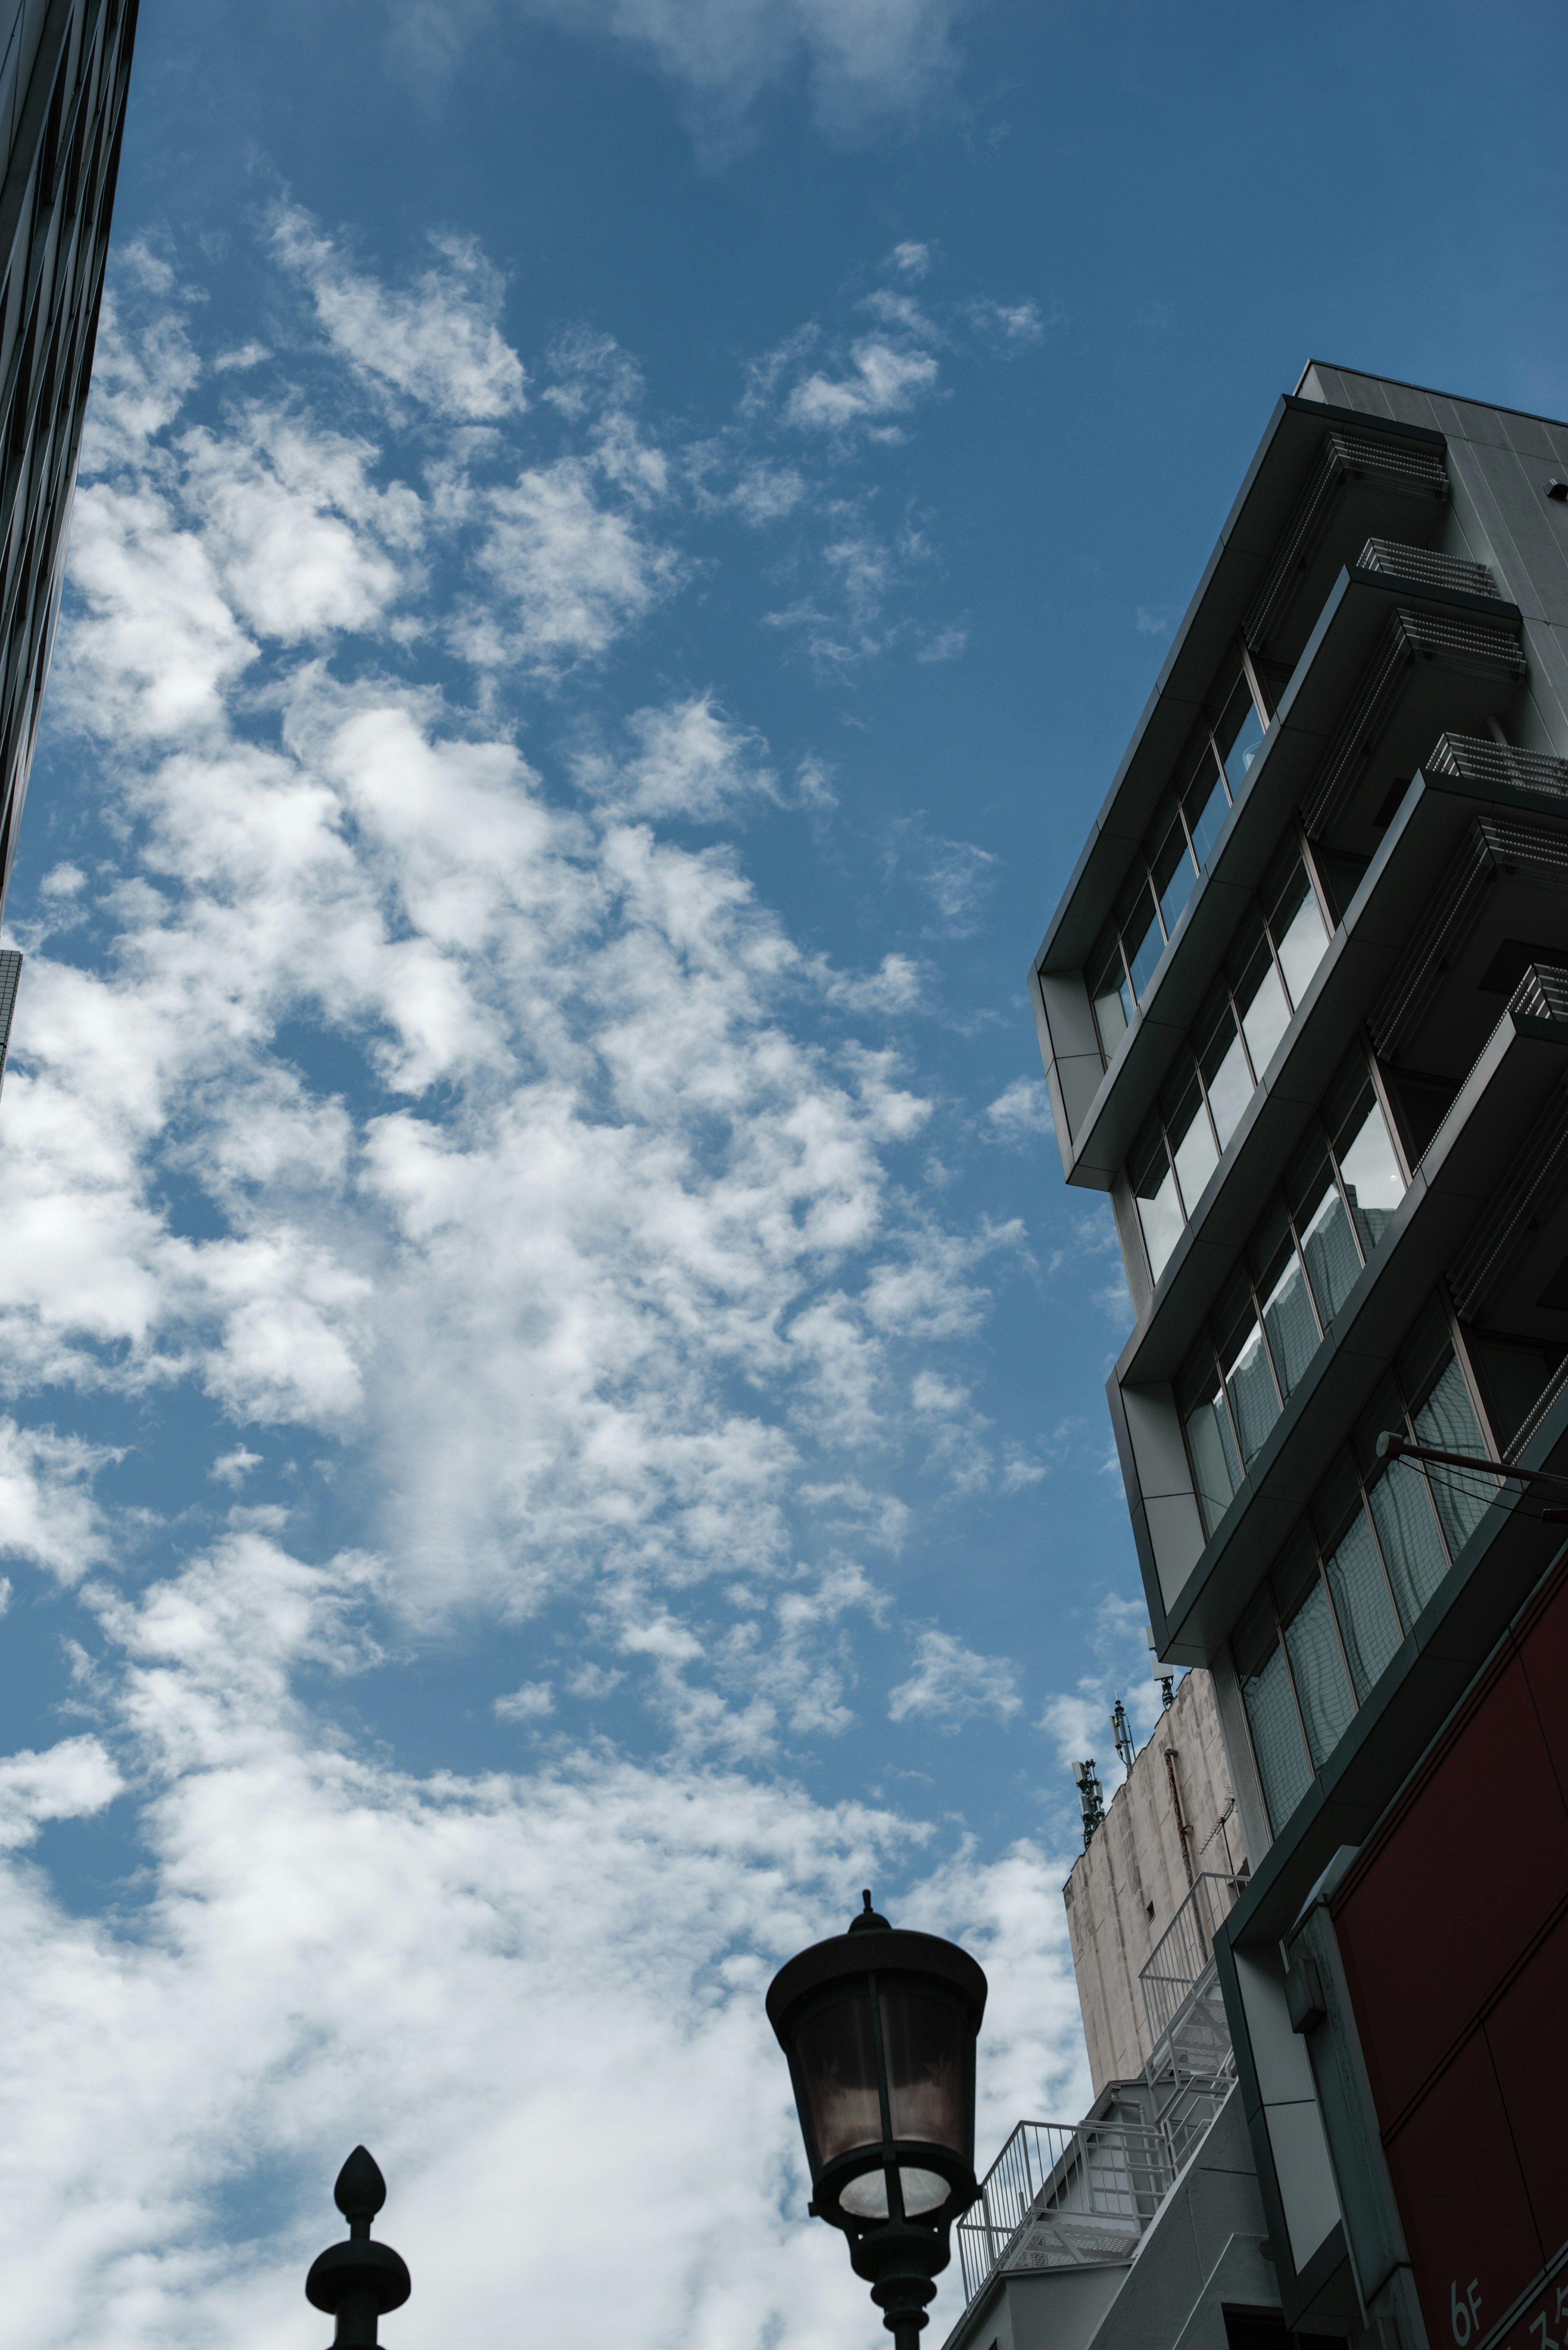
(1304, 1009)
(1171, 1822)
(1304, 1014)
(63, 83)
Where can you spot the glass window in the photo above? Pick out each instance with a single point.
(1192, 1144)
(1158, 1203)
(1260, 997)
(1368, 1625)
(1311, 1643)
(1109, 991)
(1240, 735)
(1288, 1316)
(1402, 1508)
(1175, 874)
(1142, 937)
(1295, 921)
(1446, 1418)
(1368, 1164)
(1206, 804)
(1216, 1463)
(1328, 1243)
(1284, 1765)
(1244, 1360)
(1222, 1057)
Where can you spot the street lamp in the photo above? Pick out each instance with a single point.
(879, 2028)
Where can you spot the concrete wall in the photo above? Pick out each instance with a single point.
(1128, 1886)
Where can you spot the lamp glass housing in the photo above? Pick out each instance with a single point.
(879, 2029)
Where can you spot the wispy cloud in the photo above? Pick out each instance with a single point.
(950, 1683)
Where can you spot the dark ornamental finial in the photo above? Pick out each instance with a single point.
(357, 2283)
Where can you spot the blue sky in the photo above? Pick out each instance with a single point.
(554, 1416)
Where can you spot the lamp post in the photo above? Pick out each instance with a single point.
(358, 2281)
(879, 2029)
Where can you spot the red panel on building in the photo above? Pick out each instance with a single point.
(1469, 1873)
(1473, 2246)
(1527, 2033)
(1544, 1650)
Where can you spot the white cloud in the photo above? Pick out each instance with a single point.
(950, 1683)
(865, 60)
(437, 342)
(47, 1513)
(880, 379)
(910, 259)
(68, 1782)
(1011, 326)
(690, 761)
(1022, 1112)
(570, 573)
(531, 1702)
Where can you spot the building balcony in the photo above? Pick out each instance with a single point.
(1198, 1581)
(1372, 955)
(1061, 2198)
(1392, 665)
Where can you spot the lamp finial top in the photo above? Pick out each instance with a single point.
(869, 1920)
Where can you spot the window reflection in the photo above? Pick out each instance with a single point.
(1215, 1071)
(1185, 826)
(838, 2058)
(1304, 1256)
(1358, 1569)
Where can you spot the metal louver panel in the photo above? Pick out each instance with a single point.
(1475, 647)
(1492, 843)
(1412, 467)
(1538, 1410)
(1419, 563)
(1477, 761)
(1542, 994)
(1418, 973)
(1504, 1232)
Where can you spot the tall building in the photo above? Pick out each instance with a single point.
(1303, 1008)
(63, 81)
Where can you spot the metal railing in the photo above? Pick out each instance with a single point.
(1059, 2197)
(1183, 1952)
(1424, 564)
(1475, 759)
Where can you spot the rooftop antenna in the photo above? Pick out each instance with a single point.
(1161, 1673)
(1091, 1802)
(1122, 1734)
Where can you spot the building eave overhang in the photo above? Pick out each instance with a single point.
(1209, 629)
(1310, 710)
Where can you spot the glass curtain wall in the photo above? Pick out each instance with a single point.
(1304, 1256)
(1174, 852)
(1358, 1569)
(1273, 957)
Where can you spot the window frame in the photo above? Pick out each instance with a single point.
(1202, 744)
(1244, 1265)
(1224, 981)
(1307, 1520)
